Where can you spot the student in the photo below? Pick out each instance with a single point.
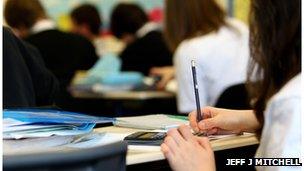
(200, 30)
(26, 81)
(86, 21)
(276, 68)
(63, 53)
(145, 44)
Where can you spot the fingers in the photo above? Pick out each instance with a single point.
(208, 124)
(193, 122)
(166, 150)
(171, 144)
(207, 112)
(204, 142)
(186, 132)
(176, 136)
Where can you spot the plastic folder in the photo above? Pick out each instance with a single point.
(53, 116)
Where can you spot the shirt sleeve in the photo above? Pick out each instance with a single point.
(281, 137)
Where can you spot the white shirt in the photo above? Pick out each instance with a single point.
(281, 135)
(221, 61)
(147, 28)
(42, 25)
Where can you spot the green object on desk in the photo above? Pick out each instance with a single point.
(178, 117)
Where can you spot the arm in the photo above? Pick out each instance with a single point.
(221, 121)
(44, 82)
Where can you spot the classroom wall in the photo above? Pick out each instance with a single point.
(59, 9)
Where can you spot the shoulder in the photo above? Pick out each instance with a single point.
(291, 90)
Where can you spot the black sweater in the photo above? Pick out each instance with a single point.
(26, 81)
(145, 53)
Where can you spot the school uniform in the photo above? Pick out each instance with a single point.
(26, 81)
(63, 53)
(281, 134)
(147, 51)
(221, 61)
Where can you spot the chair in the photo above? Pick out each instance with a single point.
(234, 97)
(109, 157)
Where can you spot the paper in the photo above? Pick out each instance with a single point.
(156, 121)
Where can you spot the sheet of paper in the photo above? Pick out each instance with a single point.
(155, 121)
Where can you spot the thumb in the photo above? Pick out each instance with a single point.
(207, 124)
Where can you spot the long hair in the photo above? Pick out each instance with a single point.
(275, 42)
(185, 19)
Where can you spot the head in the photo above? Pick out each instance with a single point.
(86, 21)
(21, 15)
(126, 19)
(191, 18)
(275, 28)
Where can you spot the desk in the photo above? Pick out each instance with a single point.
(140, 158)
(123, 95)
(137, 156)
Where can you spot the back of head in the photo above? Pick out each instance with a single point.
(127, 19)
(23, 13)
(186, 19)
(89, 15)
(275, 41)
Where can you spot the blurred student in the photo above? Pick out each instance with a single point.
(145, 46)
(200, 30)
(26, 81)
(275, 63)
(87, 21)
(63, 53)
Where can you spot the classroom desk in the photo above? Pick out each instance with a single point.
(138, 156)
(117, 95)
(152, 158)
(123, 95)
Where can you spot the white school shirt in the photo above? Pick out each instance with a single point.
(221, 61)
(281, 134)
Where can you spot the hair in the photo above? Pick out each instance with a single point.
(275, 47)
(127, 18)
(88, 14)
(185, 19)
(23, 13)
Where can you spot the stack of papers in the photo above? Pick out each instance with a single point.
(34, 123)
(152, 122)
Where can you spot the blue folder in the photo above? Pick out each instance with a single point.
(53, 116)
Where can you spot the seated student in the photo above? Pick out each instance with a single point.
(146, 47)
(63, 53)
(87, 21)
(276, 64)
(200, 30)
(26, 81)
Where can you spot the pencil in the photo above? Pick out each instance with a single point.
(197, 101)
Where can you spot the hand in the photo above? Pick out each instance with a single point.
(186, 152)
(224, 121)
(166, 73)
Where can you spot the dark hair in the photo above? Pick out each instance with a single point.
(23, 13)
(186, 19)
(127, 18)
(87, 14)
(275, 42)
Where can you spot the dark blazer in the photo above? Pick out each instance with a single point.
(26, 81)
(64, 53)
(145, 53)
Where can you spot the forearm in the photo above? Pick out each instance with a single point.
(249, 121)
